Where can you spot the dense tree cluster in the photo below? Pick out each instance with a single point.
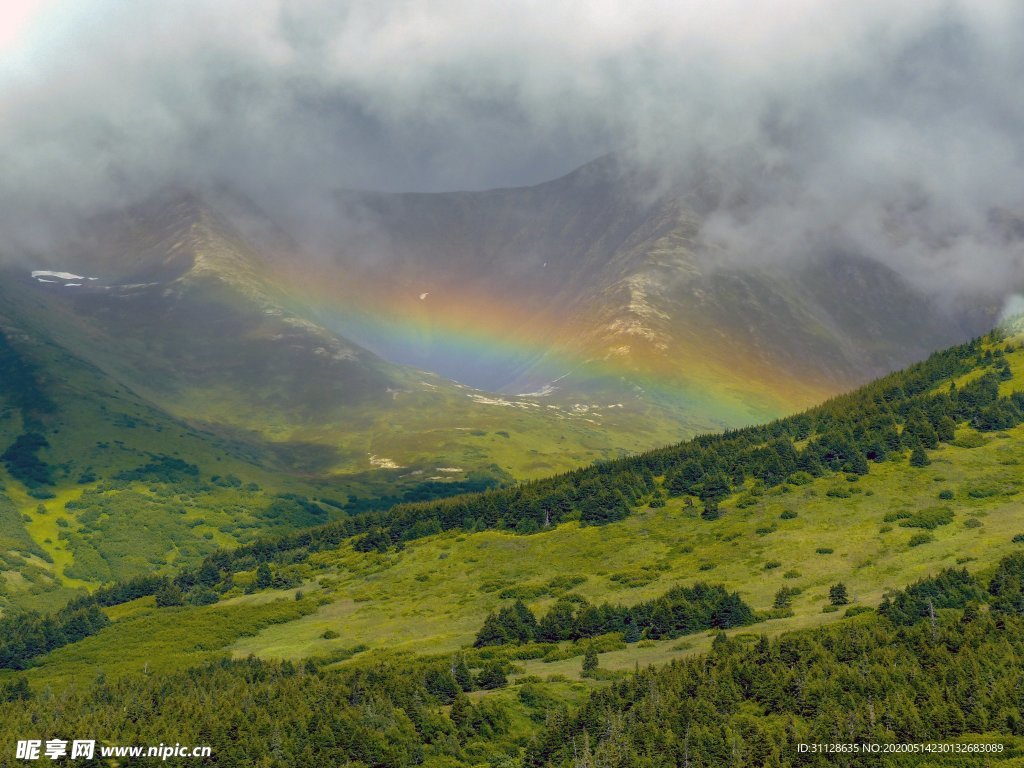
(950, 588)
(22, 460)
(279, 715)
(25, 636)
(680, 611)
(751, 703)
(21, 384)
(162, 469)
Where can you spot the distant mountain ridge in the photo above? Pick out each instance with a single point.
(606, 268)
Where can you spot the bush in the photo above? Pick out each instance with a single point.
(929, 519)
(824, 550)
(857, 610)
(329, 634)
(920, 538)
(788, 514)
(946, 494)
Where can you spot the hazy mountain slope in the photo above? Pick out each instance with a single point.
(605, 273)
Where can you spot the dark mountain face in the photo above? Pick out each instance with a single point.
(608, 270)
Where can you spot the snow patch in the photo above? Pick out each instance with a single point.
(40, 273)
(484, 400)
(383, 463)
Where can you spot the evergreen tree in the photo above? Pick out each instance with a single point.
(918, 457)
(264, 578)
(837, 594)
(169, 596)
(590, 661)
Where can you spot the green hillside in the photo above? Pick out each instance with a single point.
(133, 437)
(533, 598)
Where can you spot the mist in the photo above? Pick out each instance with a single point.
(895, 130)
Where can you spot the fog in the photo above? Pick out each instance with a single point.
(892, 129)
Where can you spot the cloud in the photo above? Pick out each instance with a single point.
(894, 129)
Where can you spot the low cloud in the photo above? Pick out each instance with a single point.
(893, 129)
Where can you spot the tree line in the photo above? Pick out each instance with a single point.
(680, 611)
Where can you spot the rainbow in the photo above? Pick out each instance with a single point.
(712, 383)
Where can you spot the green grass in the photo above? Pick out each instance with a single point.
(145, 638)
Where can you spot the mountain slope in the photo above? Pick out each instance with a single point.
(606, 275)
(912, 476)
(824, 496)
(162, 396)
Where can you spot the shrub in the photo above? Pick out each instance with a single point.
(857, 610)
(788, 514)
(329, 634)
(920, 538)
(929, 518)
(824, 550)
(800, 478)
(772, 564)
(946, 494)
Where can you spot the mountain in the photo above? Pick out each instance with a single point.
(188, 354)
(604, 281)
(890, 514)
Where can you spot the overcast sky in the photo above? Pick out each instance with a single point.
(895, 127)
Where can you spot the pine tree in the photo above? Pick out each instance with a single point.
(169, 595)
(837, 594)
(590, 661)
(918, 457)
(264, 578)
